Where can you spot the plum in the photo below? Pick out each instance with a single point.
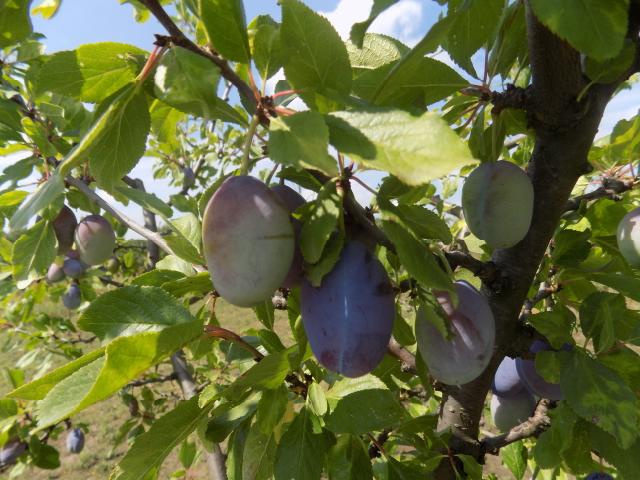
(506, 381)
(349, 318)
(112, 265)
(55, 274)
(72, 298)
(598, 476)
(507, 412)
(73, 267)
(95, 239)
(463, 357)
(532, 380)
(11, 450)
(75, 440)
(189, 179)
(64, 226)
(292, 201)
(629, 237)
(497, 200)
(248, 241)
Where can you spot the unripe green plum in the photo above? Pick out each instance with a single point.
(248, 241)
(507, 412)
(497, 200)
(463, 357)
(292, 200)
(629, 237)
(64, 226)
(95, 239)
(112, 265)
(55, 274)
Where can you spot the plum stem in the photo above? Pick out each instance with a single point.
(246, 146)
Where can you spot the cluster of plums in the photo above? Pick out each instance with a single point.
(14, 448)
(516, 384)
(94, 241)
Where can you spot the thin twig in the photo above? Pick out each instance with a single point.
(405, 356)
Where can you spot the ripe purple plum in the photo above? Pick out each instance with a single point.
(75, 440)
(95, 239)
(73, 267)
(189, 179)
(598, 476)
(11, 450)
(64, 226)
(463, 357)
(292, 200)
(629, 237)
(497, 200)
(507, 412)
(248, 241)
(72, 298)
(55, 274)
(506, 381)
(532, 380)
(349, 318)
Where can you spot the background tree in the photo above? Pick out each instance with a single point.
(536, 235)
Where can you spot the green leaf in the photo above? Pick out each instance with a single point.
(117, 139)
(376, 50)
(348, 459)
(146, 200)
(272, 407)
(264, 38)
(626, 461)
(316, 399)
(556, 440)
(625, 284)
(320, 219)
(330, 256)
(46, 194)
(225, 24)
(259, 454)
(316, 57)
(46, 8)
(130, 310)
(43, 456)
(227, 417)
(198, 284)
(514, 456)
(151, 448)
(555, 326)
(597, 28)
(416, 149)
(612, 69)
(301, 451)
(359, 29)
(10, 122)
(188, 82)
(416, 257)
(34, 251)
(265, 311)
(15, 24)
(383, 411)
(92, 72)
(423, 222)
(600, 396)
(600, 314)
(301, 140)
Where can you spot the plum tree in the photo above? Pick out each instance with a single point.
(506, 381)
(72, 266)
(95, 239)
(75, 440)
(349, 318)
(10, 451)
(507, 412)
(72, 297)
(248, 241)
(532, 380)
(628, 236)
(64, 226)
(292, 200)
(55, 274)
(497, 200)
(464, 356)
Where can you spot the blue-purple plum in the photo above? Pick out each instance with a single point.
(189, 179)
(532, 380)
(506, 381)
(598, 476)
(95, 239)
(507, 412)
(11, 450)
(349, 318)
(55, 274)
(497, 200)
(248, 241)
(72, 297)
(73, 267)
(75, 440)
(629, 237)
(464, 356)
(292, 201)
(64, 226)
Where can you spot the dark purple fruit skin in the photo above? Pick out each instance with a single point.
(189, 178)
(532, 380)
(73, 267)
(506, 381)
(95, 239)
(64, 226)
(292, 200)
(598, 476)
(507, 412)
(462, 358)
(55, 274)
(72, 298)
(11, 450)
(349, 318)
(75, 440)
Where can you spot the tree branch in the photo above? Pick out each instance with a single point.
(405, 356)
(611, 188)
